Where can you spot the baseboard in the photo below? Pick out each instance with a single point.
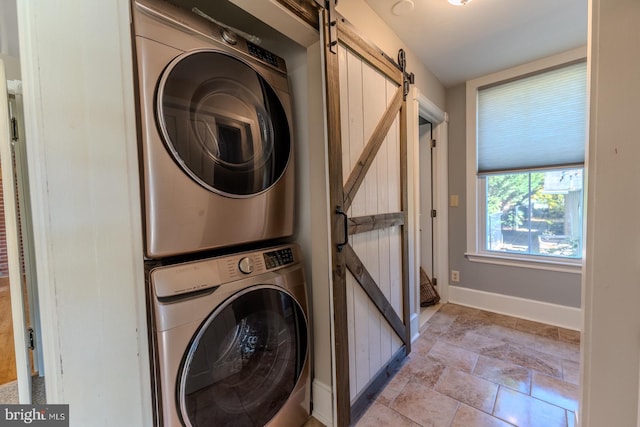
(552, 314)
(322, 403)
(415, 326)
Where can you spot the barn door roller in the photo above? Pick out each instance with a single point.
(407, 78)
(333, 25)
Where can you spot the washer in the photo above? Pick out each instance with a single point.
(215, 131)
(231, 340)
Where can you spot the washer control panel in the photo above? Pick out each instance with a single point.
(178, 279)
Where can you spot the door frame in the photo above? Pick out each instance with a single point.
(26, 227)
(19, 320)
(421, 106)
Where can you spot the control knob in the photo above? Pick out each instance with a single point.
(246, 265)
(229, 36)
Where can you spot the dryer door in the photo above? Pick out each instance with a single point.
(244, 361)
(223, 123)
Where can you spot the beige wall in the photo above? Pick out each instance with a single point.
(358, 13)
(12, 66)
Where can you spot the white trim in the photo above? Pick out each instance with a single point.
(279, 17)
(475, 216)
(23, 366)
(515, 260)
(429, 110)
(544, 312)
(441, 205)
(14, 87)
(440, 120)
(415, 326)
(331, 397)
(37, 172)
(137, 272)
(322, 398)
(413, 208)
(530, 67)
(26, 230)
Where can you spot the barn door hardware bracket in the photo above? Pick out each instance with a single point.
(407, 78)
(330, 5)
(345, 240)
(14, 129)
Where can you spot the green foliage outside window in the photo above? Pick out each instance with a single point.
(526, 215)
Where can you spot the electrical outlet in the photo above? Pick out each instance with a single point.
(455, 276)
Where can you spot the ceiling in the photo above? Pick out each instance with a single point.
(458, 43)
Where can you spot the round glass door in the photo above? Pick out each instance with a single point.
(245, 360)
(223, 123)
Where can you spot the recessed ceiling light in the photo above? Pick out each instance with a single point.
(459, 2)
(402, 7)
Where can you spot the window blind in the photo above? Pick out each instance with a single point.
(538, 121)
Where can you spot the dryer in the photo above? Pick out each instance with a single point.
(231, 340)
(216, 145)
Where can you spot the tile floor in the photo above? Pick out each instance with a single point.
(472, 368)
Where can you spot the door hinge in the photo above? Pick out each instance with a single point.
(433, 143)
(434, 281)
(330, 5)
(32, 344)
(433, 213)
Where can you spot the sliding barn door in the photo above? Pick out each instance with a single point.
(368, 177)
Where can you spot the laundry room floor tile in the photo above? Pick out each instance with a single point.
(470, 367)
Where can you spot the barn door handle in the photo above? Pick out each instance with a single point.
(339, 211)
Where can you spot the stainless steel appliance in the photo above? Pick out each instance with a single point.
(215, 131)
(231, 340)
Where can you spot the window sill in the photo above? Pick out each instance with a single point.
(552, 264)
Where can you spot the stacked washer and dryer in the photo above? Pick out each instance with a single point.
(229, 333)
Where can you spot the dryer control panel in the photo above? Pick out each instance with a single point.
(278, 258)
(262, 54)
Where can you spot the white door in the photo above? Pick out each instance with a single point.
(426, 199)
(20, 330)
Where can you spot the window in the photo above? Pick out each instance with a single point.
(525, 156)
(536, 213)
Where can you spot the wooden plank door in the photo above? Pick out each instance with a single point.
(368, 193)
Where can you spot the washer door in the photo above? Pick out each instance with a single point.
(223, 123)
(245, 360)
